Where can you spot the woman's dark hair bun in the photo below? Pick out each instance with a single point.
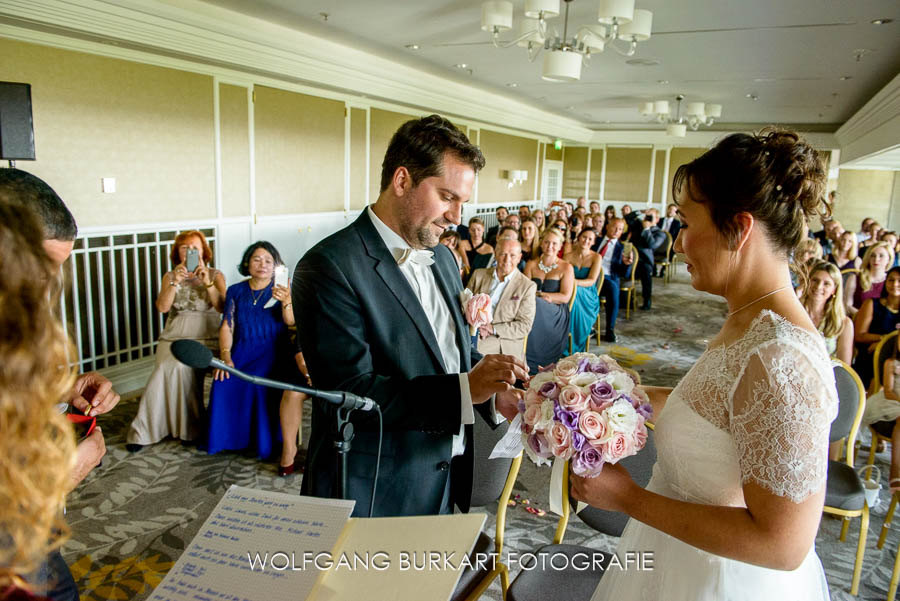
(798, 172)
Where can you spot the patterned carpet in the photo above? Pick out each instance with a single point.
(134, 515)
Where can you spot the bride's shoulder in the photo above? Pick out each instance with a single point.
(779, 333)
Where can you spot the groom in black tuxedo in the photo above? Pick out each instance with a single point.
(379, 315)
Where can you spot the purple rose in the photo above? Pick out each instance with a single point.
(567, 418)
(521, 406)
(549, 390)
(588, 462)
(584, 365)
(539, 445)
(601, 392)
(645, 411)
(599, 368)
(578, 440)
(550, 367)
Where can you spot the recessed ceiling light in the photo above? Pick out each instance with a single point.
(662, 82)
(461, 66)
(752, 96)
(846, 77)
(882, 21)
(570, 108)
(642, 62)
(512, 84)
(412, 46)
(764, 79)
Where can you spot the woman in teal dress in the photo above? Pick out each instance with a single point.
(588, 267)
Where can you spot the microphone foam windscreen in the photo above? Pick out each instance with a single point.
(192, 353)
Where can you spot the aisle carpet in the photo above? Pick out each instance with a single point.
(133, 516)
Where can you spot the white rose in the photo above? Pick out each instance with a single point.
(546, 420)
(584, 380)
(621, 381)
(541, 379)
(621, 416)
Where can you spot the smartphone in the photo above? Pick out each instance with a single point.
(82, 424)
(281, 276)
(192, 260)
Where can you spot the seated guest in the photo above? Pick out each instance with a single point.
(823, 300)
(451, 240)
(828, 235)
(491, 236)
(36, 440)
(891, 238)
(875, 229)
(807, 252)
(290, 415)
(626, 211)
(555, 282)
(599, 225)
(255, 340)
(870, 281)
(524, 211)
(876, 318)
(845, 252)
(616, 265)
(576, 224)
(594, 207)
(512, 302)
(513, 221)
(172, 404)
(863, 234)
(539, 220)
(475, 245)
(609, 213)
(647, 241)
(530, 238)
(671, 224)
(883, 409)
(484, 260)
(587, 266)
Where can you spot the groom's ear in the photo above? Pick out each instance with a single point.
(402, 182)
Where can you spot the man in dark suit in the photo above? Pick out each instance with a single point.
(616, 265)
(647, 241)
(670, 223)
(379, 315)
(491, 236)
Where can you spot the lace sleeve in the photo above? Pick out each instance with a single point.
(781, 412)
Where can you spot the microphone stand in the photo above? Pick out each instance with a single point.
(343, 439)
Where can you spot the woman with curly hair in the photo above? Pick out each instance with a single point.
(36, 441)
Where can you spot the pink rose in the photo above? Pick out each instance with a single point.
(619, 447)
(593, 425)
(638, 394)
(532, 414)
(566, 368)
(640, 435)
(572, 398)
(532, 397)
(478, 311)
(560, 441)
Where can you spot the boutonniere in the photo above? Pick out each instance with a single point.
(515, 298)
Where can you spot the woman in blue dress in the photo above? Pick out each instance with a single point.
(253, 338)
(587, 266)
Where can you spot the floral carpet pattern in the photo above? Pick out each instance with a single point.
(132, 518)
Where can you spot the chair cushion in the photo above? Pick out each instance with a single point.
(570, 584)
(884, 429)
(471, 577)
(843, 489)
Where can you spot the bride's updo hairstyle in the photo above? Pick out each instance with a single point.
(775, 176)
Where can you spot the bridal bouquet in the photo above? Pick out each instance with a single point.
(586, 409)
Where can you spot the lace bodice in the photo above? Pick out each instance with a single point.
(758, 410)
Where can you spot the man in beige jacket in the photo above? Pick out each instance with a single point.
(512, 302)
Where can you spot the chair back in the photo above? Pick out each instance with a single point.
(488, 475)
(669, 242)
(572, 298)
(851, 405)
(884, 350)
(845, 273)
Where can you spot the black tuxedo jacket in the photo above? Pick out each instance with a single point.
(363, 330)
(674, 228)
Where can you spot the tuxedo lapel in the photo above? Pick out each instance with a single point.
(387, 269)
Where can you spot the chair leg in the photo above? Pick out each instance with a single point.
(895, 578)
(504, 581)
(860, 550)
(886, 527)
(845, 525)
(570, 343)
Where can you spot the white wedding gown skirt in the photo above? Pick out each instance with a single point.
(699, 462)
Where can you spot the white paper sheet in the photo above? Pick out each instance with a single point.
(252, 548)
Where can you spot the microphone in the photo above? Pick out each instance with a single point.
(193, 354)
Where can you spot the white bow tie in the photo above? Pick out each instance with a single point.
(422, 257)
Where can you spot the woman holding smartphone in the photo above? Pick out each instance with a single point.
(192, 295)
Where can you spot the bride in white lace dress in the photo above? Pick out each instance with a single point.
(733, 507)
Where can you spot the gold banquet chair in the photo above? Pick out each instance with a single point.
(844, 492)
(543, 581)
(628, 288)
(492, 480)
(883, 350)
(665, 263)
(571, 304)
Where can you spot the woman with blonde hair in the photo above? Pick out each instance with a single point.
(539, 220)
(192, 295)
(807, 252)
(530, 237)
(555, 281)
(822, 299)
(36, 440)
(870, 281)
(846, 252)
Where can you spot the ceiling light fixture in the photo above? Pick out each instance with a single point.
(882, 21)
(512, 84)
(617, 20)
(696, 114)
(412, 46)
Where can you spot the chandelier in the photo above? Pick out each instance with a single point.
(616, 20)
(696, 114)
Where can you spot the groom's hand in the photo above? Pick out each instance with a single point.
(507, 403)
(493, 374)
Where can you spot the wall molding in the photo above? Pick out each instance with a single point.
(875, 127)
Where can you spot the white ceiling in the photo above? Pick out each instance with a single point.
(888, 160)
(799, 57)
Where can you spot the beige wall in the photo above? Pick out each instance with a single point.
(863, 193)
(358, 159)
(596, 173)
(503, 153)
(658, 176)
(627, 174)
(235, 147)
(552, 154)
(679, 157)
(299, 146)
(148, 127)
(574, 171)
(383, 125)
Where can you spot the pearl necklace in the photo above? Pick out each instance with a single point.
(546, 268)
(766, 295)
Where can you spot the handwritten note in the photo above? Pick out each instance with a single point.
(256, 545)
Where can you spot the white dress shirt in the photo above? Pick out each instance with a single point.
(607, 253)
(497, 288)
(666, 223)
(421, 279)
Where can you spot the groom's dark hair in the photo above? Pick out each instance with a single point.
(420, 146)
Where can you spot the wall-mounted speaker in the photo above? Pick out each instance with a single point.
(16, 124)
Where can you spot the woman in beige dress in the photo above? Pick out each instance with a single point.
(172, 404)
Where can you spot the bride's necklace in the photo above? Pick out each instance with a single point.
(546, 268)
(756, 300)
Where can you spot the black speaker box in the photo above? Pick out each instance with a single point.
(16, 124)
